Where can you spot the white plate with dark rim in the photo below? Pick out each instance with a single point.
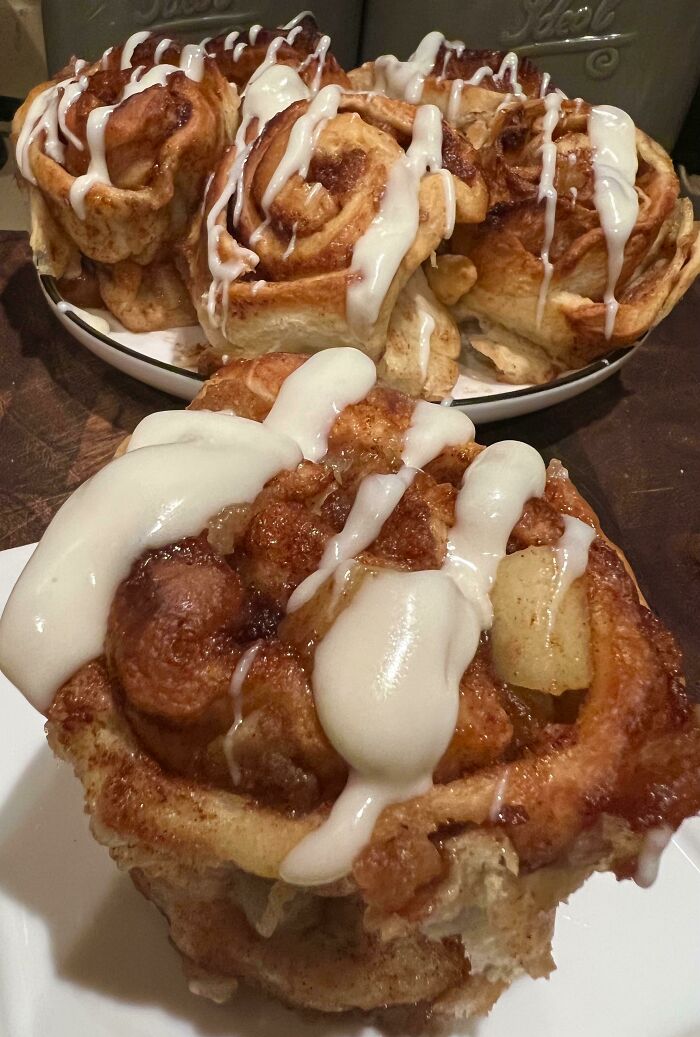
(82, 953)
(167, 361)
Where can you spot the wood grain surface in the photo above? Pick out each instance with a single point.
(632, 445)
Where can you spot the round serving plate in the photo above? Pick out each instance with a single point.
(166, 360)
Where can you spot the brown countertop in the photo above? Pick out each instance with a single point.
(632, 445)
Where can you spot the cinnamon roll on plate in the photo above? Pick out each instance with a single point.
(316, 223)
(355, 701)
(116, 155)
(586, 246)
(449, 208)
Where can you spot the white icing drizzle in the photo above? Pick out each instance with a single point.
(181, 467)
(613, 140)
(510, 64)
(42, 116)
(253, 34)
(319, 55)
(72, 89)
(105, 57)
(161, 49)
(259, 231)
(548, 193)
(425, 331)
(231, 39)
(130, 46)
(379, 252)
(301, 142)
(294, 22)
(270, 93)
(655, 842)
(97, 172)
(430, 432)
(238, 49)
(455, 47)
(377, 497)
(269, 60)
(572, 552)
(292, 242)
(546, 78)
(312, 397)
(405, 79)
(402, 633)
(448, 187)
(293, 33)
(454, 99)
(571, 555)
(496, 486)
(485, 72)
(236, 692)
(192, 61)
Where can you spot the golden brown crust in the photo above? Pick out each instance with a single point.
(146, 298)
(661, 258)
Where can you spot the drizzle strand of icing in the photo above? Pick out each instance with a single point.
(548, 193)
(312, 397)
(613, 139)
(191, 63)
(404, 632)
(378, 253)
(274, 90)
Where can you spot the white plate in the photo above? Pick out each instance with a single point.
(82, 953)
(155, 358)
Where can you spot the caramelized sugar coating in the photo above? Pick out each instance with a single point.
(183, 618)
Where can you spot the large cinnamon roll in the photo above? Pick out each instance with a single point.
(317, 218)
(355, 701)
(116, 154)
(586, 246)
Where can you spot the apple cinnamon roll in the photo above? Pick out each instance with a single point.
(317, 218)
(355, 701)
(116, 154)
(586, 246)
